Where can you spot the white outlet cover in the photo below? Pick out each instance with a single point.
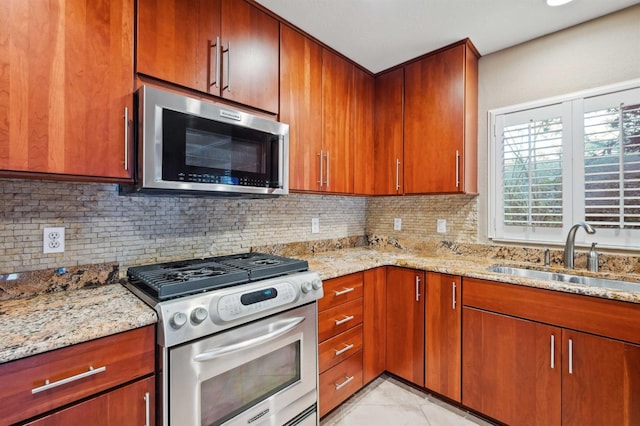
(397, 224)
(315, 225)
(441, 226)
(53, 240)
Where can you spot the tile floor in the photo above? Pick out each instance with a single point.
(387, 401)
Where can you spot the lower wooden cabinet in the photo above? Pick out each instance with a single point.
(518, 369)
(374, 323)
(130, 405)
(405, 324)
(340, 340)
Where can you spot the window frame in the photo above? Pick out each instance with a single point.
(572, 106)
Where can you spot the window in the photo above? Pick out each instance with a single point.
(565, 160)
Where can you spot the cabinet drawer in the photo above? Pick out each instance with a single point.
(340, 382)
(341, 290)
(340, 347)
(341, 318)
(78, 371)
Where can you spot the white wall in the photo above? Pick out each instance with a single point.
(593, 54)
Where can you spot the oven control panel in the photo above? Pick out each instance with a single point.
(241, 304)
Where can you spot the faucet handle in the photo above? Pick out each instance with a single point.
(592, 258)
(547, 257)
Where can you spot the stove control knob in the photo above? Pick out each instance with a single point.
(306, 287)
(198, 315)
(317, 284)
(178, 320)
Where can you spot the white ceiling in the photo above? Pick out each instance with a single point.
(378, 34)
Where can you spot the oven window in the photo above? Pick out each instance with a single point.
(226, 395)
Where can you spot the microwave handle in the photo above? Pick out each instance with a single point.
(250, 342)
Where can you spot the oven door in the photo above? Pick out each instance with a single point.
(261, 373)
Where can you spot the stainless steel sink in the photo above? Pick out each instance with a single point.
(568, 278)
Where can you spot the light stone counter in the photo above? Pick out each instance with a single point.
(50, 321)
(332, 264)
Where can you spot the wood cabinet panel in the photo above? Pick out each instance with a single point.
(340, 290)
(443, 335)
(388, 136)
(506, 369)
(440, 122)
(66, 81)
(125, 356)
(615, 319)
(123, 406)
(405, 324)
(338, 348)
(174, 42)
(374, 323)
(340, 382)
(250, 66)
(338, 319)
(364, 167)
(338, 109)
(603, 384)
(301, 106)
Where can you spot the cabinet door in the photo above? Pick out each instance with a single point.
(364, 168)
(388, 140)
(434, 122)
(374, 323)
(176, 41)
(301, 106)
(511, 368)
(405, 324)
(66, 80)
(443, 335)
(338, 102)
(132, 405)
(600, 381)
(250, 59)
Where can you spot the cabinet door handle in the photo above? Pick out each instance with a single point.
(346, 318)
(397, 174)
(343, 350)
(216, 66)
(346, 381)
(453, 296)
(228, 51)
(50, 385)
(147, 420)
(320, 155)
(343, 291)
(327, 169)
(553, 351)
(126, 138)
(417, 288)
(457, 169)
(570, 356)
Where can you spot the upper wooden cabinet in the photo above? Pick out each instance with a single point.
(228, 48)
(441, 121)
(388, 141)
(363, 164)
(65, 87)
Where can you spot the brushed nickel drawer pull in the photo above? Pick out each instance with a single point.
(147, 417)
(346, 318)
(343, 350)
(344, 291)
(48, 385)
(347, 380)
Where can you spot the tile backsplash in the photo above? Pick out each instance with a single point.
(102, 226)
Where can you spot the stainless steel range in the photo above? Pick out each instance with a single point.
(237, 339)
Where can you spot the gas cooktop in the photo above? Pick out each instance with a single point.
(173, 279)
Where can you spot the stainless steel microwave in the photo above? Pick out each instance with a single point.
(192, 146)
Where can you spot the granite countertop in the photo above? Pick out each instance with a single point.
(332, 264)
(54, 320)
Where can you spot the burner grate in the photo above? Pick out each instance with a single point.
(262, 266)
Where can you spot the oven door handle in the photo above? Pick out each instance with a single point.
(250, 342)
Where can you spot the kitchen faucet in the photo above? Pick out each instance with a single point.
(571, 238)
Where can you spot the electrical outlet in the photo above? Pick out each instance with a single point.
(53, 240)
(315, 225)
(397, 224)
(441, 226)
